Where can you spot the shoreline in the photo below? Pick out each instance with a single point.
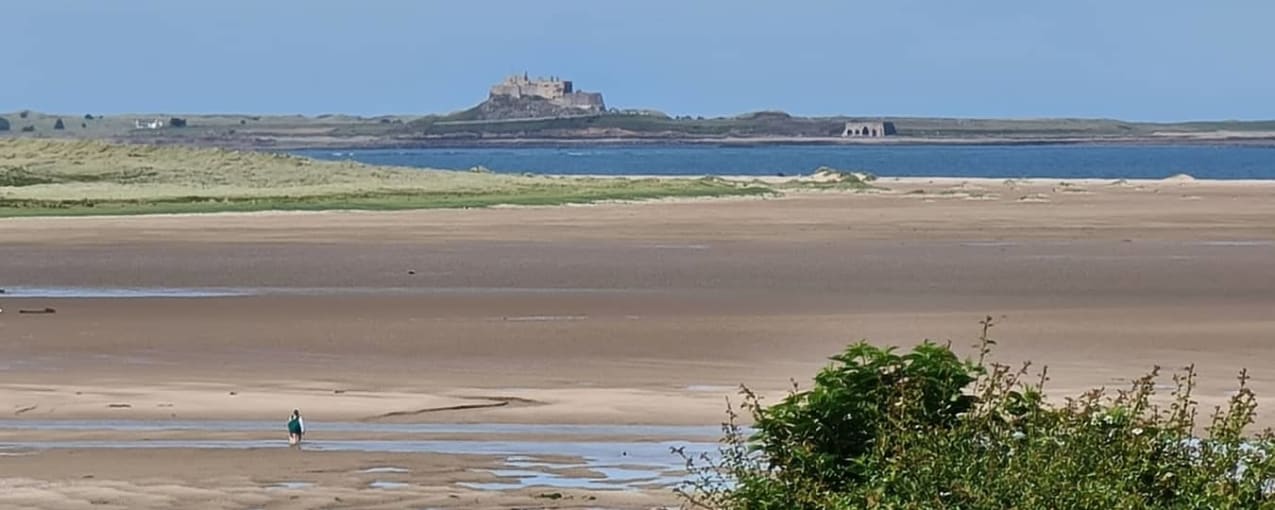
(1264, 140)
(954, 182)
(940, 179)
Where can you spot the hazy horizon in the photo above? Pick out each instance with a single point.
(1137, 60)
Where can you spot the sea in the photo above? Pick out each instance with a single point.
(1072, 161)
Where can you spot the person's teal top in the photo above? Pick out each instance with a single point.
(294, 425)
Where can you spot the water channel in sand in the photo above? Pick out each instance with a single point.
(27, 292)
(624, 462)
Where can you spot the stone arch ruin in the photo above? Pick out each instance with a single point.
(868, 129)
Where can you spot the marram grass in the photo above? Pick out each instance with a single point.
(57, 178)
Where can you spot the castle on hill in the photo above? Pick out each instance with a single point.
(553, 89)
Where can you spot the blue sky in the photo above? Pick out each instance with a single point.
(1128, 59)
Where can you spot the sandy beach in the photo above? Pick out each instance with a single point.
(610, 314)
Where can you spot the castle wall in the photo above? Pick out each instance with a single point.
(591, 100)
(546, 89)
(518, 86)
(506, 89)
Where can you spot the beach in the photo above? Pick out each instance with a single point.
(648, 313)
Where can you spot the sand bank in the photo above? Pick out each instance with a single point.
(614, 313)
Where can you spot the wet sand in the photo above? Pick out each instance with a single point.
(623, 313)
(162, 478)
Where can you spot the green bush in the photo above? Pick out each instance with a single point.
(59, 125)
(926, 430)
(4, 124)
(823, 433)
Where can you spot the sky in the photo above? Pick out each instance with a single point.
(1148, 60)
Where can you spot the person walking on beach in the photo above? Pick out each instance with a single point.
(296, 428)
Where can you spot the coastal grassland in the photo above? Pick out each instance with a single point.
(654, 124)
(55, 177)
(503, 122)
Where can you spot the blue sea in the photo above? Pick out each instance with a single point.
(996, 161)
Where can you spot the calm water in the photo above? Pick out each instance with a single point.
(1016, 161)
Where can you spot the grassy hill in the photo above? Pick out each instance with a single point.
(61, 177)
(650, 124)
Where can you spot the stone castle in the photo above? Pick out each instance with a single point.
(557, 91)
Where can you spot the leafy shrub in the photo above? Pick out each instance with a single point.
(59, 125)
(28, 129)
(4, 124)
(24, 114)
(926, 430)
(820, 434)
(88, 116)
(177, 122)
